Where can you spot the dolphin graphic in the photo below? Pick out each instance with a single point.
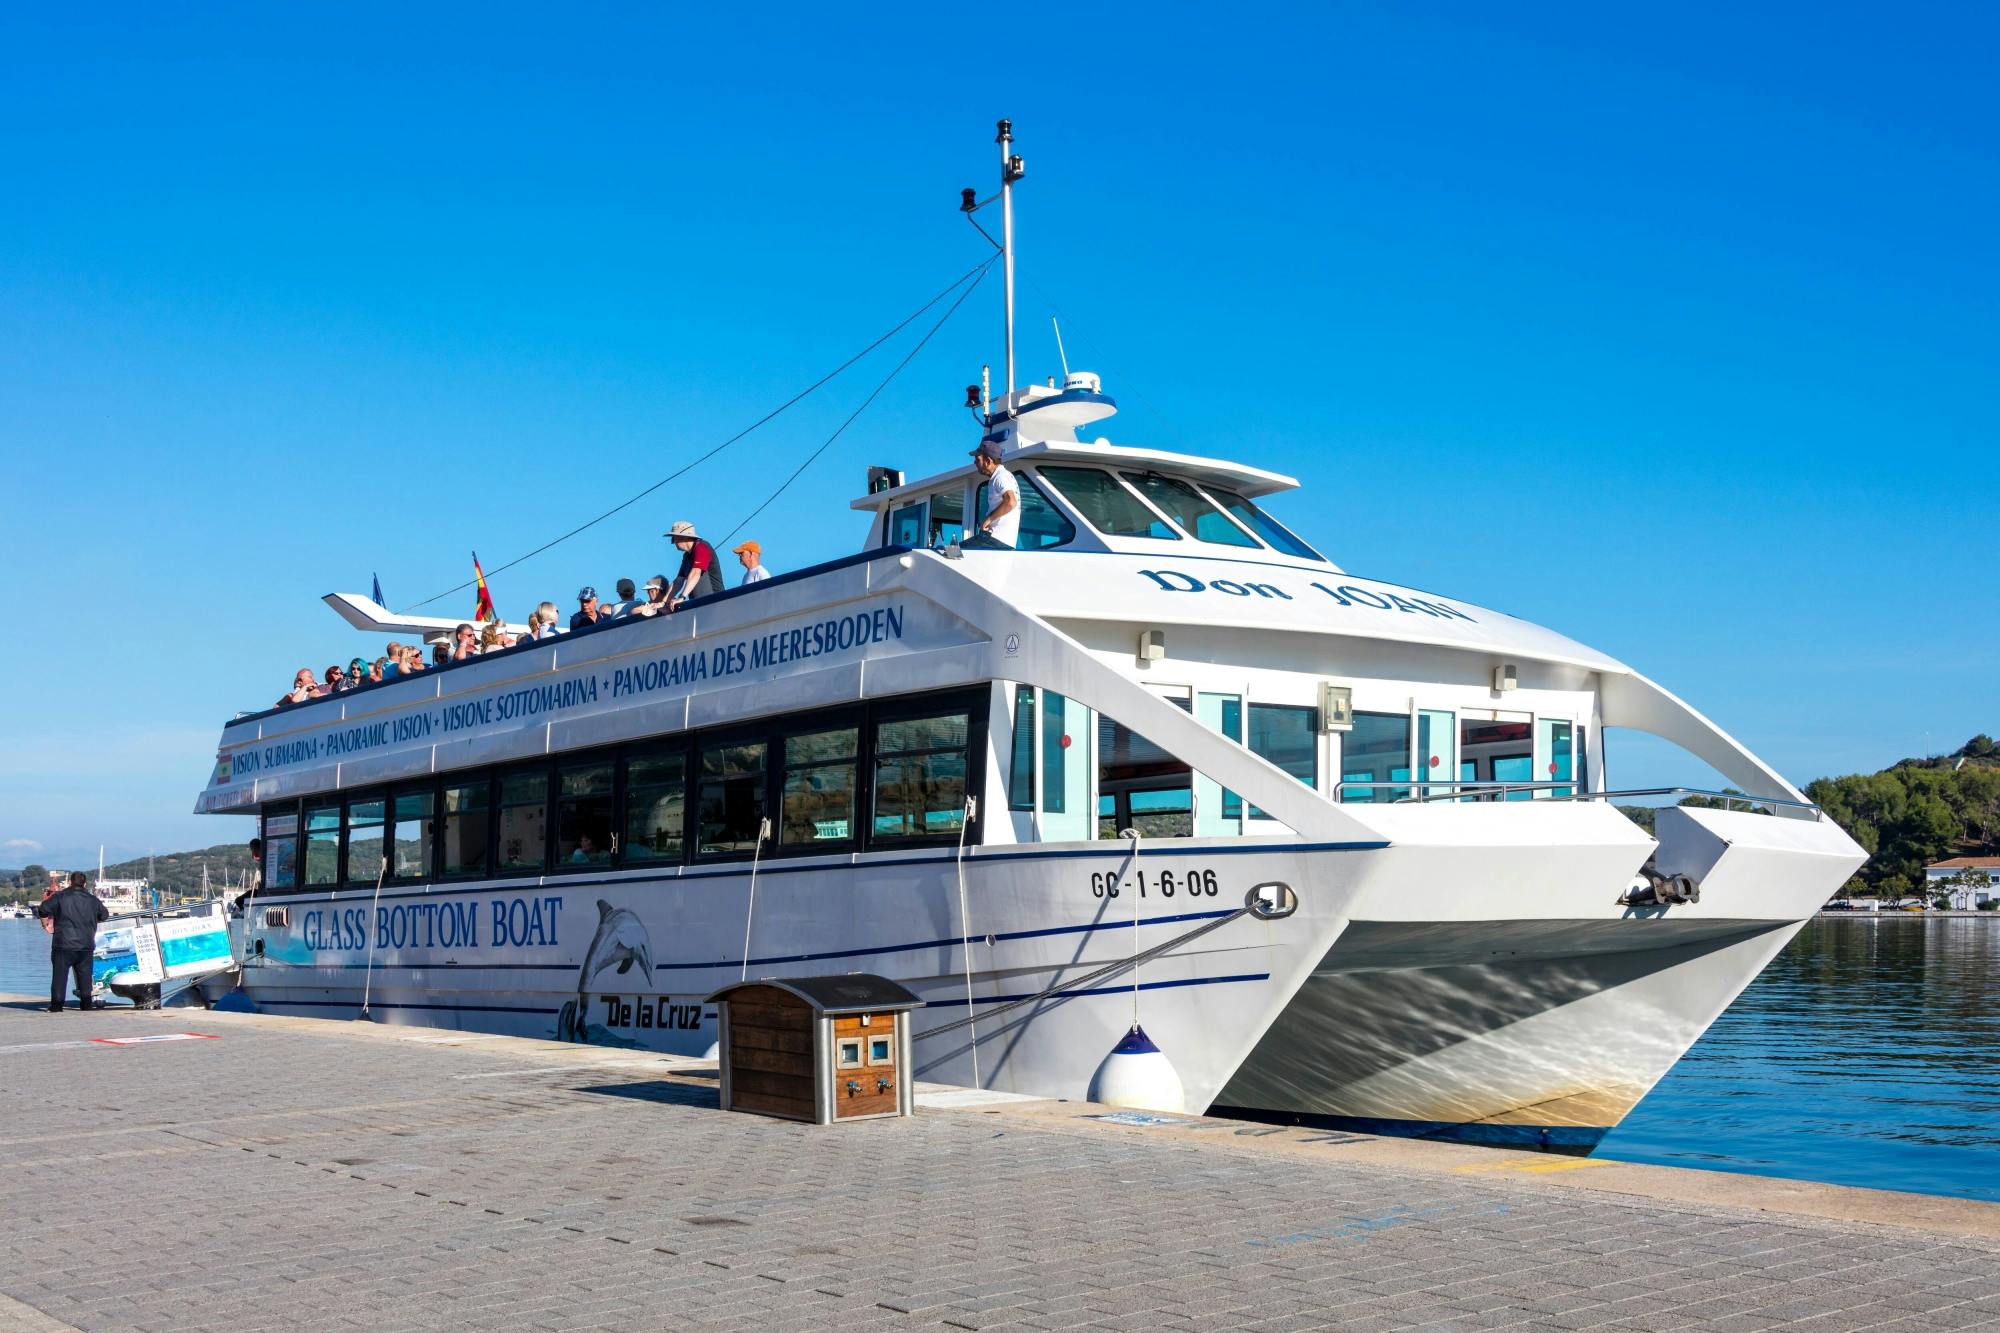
(620, 939)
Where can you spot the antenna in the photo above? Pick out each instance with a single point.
(1011, 170)
(1059, 348)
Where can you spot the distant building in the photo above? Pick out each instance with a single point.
(1965, 898)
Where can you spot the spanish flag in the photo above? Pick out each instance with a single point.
(484, 609)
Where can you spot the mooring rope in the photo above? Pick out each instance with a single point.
(1110, 969)
(368, 978)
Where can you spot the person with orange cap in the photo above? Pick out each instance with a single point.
(752, 556)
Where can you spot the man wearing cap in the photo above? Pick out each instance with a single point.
(588, 612)
(1002, 524)
(700, 573)
(752, 556)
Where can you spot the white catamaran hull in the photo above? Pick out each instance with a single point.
(1513, 1001)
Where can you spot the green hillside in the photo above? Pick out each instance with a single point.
(176, 872)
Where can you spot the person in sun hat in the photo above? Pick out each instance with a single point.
(700, 573)
(752, 556)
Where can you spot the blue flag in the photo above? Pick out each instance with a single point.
(378, 589)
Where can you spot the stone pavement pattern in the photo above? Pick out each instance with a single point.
(306, 1176)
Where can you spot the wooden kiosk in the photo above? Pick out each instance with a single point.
(817, 1049)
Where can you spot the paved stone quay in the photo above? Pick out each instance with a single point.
(298, 1174)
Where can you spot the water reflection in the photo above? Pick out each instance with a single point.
(1868, 1053)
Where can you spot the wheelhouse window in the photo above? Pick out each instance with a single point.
(816, 804)
(1189, 508)
(367, 824)
(922, 768)
(655, 807)
(583, 814)
(413, 830)
(1274, 533)
(947, 517)
(1288, 736)
(281, 851)
(322, 846)
(906, 525)
(730, 797)
(1376, 751)
(524, 821)
(1110, 508)
(467, 821)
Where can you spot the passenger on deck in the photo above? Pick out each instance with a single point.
(336, 681)
(1002, 523)
(542, 624)
(494, 637)
(440, 654)
(752, 556)
(378, 671)
(700, 573)
(464, 643)
(393, 661)
(413, 659)
(589, 611)
(655, 601)
(303, 688)
(628, 598)
(357, 673)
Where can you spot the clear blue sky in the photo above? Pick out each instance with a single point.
(1673, 329)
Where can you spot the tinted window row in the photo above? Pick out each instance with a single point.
(887, 775)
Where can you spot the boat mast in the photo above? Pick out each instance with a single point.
(1010, 171)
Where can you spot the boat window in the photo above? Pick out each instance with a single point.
(947, 521)
(1376, 750)
(281, 851)
(322, 845)
(1559, 761)
(412, 835)
(1021, 757)
(921, 771)
(524, 821)
(1437, 751)
(1261, 523)
(730, 798)
(1111, 509)
(583, 814)
(1288, 736)
(906, 525)
(817, 801)
(1497, 750)
(367, 821)
(1066, 736)
(1188, 507)
(655, 807)
(1042, 524)
(466, 821)
(1140, 785)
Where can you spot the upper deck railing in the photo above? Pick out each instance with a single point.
(525, 645)
(1422, 792)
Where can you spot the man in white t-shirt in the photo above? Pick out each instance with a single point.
(1002, 524)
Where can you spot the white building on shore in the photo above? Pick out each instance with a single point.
(1961, 878)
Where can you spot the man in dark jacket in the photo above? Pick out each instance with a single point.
(75, 913)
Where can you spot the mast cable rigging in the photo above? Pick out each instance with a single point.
(814, 456)
(974, 274)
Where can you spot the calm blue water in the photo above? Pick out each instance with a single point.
(1867, 1054)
